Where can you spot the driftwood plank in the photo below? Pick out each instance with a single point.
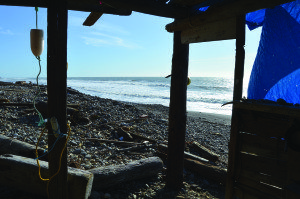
(204, 152)
(164, 148)
(22, 173)
(211, 172)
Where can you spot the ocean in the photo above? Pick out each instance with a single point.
(204, 94)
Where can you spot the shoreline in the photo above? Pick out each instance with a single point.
(104, 119)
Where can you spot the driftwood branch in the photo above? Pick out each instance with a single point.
(123, 143)
(164, 148)
(139, 147)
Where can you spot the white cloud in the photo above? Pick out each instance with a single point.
(6, 31)
(110, 28)
(105, 39)
(100, 25)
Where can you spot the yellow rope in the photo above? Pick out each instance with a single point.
(37, 158)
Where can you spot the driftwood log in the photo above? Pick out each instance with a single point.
(12, 146)
(22, 173)
(109, 176)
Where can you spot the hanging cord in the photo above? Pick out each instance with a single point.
(61, 135)
(36, 17)
(41, 121)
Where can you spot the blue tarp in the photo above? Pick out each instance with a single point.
(276, 70)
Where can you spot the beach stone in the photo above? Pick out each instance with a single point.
(78, 151)
(73, 143)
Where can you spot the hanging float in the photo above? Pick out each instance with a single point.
(37, 38)
(37, 41)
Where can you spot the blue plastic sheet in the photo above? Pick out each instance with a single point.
(275, 72)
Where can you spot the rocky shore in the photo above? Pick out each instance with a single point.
(95, 122)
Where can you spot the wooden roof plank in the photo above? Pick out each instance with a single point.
(153, 7)
(217, 13)
(92, 18)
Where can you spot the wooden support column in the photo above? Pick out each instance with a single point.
(57, 95)
(237, 95)
(177, 114)
(239, 58)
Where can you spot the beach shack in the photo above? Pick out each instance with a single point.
(264, 147)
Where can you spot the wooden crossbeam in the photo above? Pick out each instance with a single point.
(153, 7)
(218, 13)
(215, 31)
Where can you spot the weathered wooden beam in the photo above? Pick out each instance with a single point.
(57, 95)
(109, 176)
(152, 7)
(239, 57)
(233, 147)
(215, 31)
(23, 173)
(219, 13)
(92, 18)
(177, 113)
(86, 6)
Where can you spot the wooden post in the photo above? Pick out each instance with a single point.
(237, 95)
(177, 114)
(57, 95)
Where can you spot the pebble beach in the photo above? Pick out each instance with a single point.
(95, 122)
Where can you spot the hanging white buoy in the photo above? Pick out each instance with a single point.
(37, 41)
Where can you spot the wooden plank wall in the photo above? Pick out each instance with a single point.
(265, 165)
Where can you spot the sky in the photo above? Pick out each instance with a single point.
(128, 46)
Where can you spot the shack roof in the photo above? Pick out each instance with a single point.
(179, 9)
